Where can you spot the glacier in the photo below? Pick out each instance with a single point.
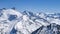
(26, 22)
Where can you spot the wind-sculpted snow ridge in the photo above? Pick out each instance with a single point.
(15, 22)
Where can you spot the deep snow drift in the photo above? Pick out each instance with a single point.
(15, 22)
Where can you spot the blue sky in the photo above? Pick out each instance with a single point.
(32, 5)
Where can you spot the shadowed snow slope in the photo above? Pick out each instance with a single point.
(15, 22)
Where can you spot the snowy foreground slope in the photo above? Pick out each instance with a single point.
(15, 22)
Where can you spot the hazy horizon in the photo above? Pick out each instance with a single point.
(32, 5)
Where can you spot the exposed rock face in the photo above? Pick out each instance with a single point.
(50, 29)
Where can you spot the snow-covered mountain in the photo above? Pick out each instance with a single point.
(16, 22)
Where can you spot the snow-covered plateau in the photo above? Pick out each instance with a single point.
(16, 22)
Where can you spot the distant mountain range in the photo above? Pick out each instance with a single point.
(26, 22)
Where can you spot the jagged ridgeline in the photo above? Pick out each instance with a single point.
(26, 22)
(50, 29)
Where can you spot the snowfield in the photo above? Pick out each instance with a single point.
(15, 22)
